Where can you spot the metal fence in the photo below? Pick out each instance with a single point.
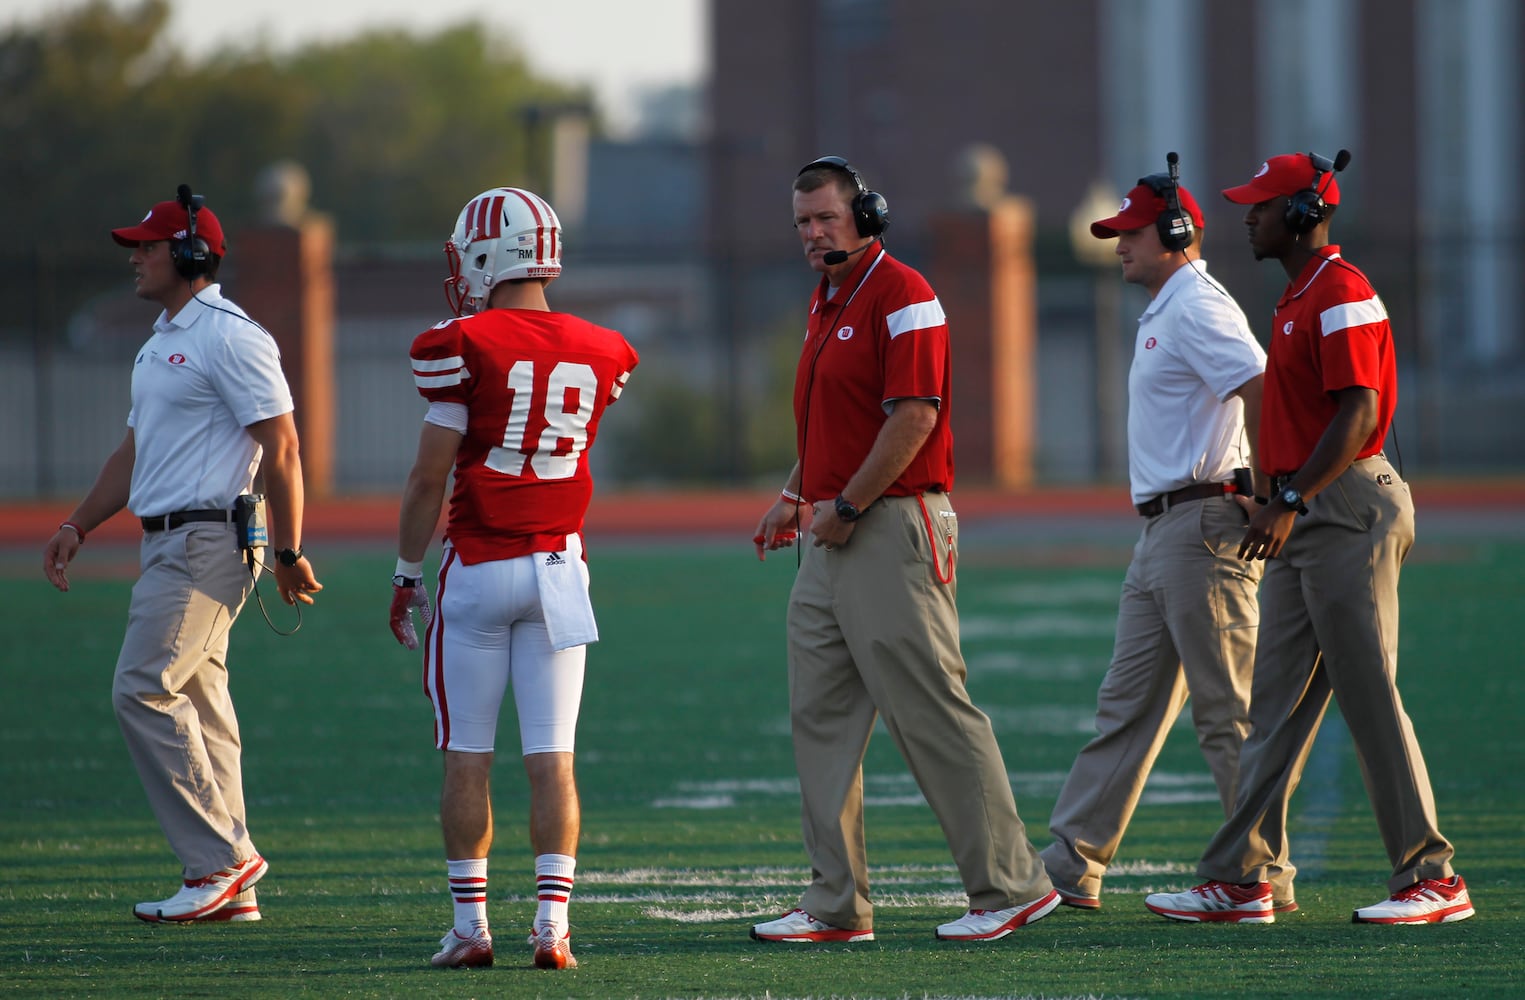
(71, 328)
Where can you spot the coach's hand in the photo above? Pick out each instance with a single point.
(1268, 531)
(408, 595)
(59, 553)
(778, 528)
(295, 582)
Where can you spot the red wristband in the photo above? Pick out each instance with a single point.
(74, 528)
(793, 498)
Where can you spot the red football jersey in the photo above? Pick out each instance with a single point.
(1330, 332)
(881, 337)
(534, 385)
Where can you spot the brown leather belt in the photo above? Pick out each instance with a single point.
(166, 522)
(1197, 491)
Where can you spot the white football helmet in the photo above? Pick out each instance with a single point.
(501, 234)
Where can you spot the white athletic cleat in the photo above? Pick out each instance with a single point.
(1217, 901)
(1428, 901)
(240, 909)
(552, 950)
(991, 925)
(798, 927)
(199, 898)
(456, 952)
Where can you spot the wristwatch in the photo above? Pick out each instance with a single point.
(1293, 499)
(846, 509)
(287, 557)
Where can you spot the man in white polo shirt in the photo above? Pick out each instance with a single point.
(210, 407)
(1187, 621)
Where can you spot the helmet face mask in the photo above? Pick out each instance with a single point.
(503, 234)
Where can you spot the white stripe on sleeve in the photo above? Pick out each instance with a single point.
(1349, 314)
(439, 381)
(443, 364)
(918, 316)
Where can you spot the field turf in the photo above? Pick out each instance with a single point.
(690, 806)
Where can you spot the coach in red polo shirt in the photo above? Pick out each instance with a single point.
(1334, 533)
(872, 624)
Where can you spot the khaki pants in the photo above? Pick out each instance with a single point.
(873, 633)
(1329, 625)
(171, 692)
(1186, 624)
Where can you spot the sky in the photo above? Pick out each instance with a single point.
(616, 46)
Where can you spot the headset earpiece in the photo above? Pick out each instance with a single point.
(871, 213)
(1306, 208)
(192, 256)
(1174, 224)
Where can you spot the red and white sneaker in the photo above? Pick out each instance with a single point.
(242, 907)
(1072, 896)
(200, 898)
(797, 926)
(457, 952)
(553, 949)
(1217, 901)
(991, 925)
(1428, 901)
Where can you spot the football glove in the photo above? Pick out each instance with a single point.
(408, 595)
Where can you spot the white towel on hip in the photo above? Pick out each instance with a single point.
(563, 581)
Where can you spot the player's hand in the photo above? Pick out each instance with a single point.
(404, 601)
(61, 550)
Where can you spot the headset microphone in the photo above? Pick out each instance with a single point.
(832, 258)
(1307, 208)
(1174, 224)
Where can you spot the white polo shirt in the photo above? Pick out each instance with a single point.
(1194, 348)
(199, 381)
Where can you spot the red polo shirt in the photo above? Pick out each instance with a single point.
(881, 337)
(1330, 332)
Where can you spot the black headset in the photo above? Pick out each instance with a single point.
(1306, 209)
(871, 213)
(192, 255)
(1174, 224)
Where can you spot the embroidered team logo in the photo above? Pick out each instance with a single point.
(177, 359)
(1151, 344)
(1127, 204)
(1286, 328)
(846, 333)
(1265, 168)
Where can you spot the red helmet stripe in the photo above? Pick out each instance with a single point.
(541, 211)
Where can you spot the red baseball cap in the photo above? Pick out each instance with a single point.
(1284, 175)
(1141, 208)
(169, 220)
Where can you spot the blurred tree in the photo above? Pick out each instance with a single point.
(102, 117)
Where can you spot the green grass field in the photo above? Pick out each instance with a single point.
(690, 808)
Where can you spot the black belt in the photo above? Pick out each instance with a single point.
(166, 522)
(1197, 491)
